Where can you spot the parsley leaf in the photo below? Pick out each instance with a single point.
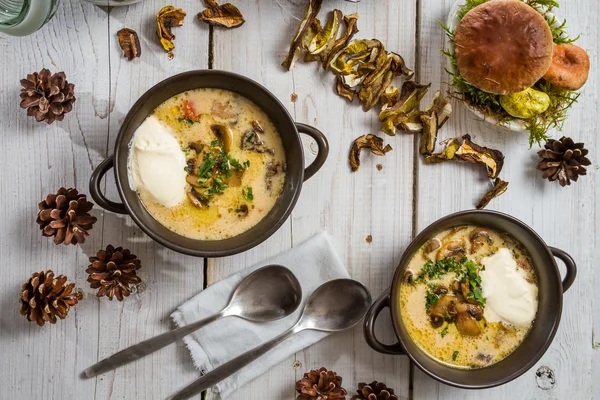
(247, 193)
(444, 331)
(454, 355)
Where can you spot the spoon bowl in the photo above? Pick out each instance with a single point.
(336, 305)
(267, 294)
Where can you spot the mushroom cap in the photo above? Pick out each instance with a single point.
(503, 46)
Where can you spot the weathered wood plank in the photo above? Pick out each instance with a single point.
(344, 204)
(171, 278)
(562, 216)
(38, 159)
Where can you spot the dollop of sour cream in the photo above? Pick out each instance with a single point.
(509, 297)
(156, 163)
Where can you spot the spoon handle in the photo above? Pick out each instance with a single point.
(148, 346)
(229, 368)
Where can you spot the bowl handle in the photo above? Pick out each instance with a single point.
(569, 263)
(322, 144)
(369, 329)
(96, 192)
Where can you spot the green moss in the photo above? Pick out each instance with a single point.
(488, 104)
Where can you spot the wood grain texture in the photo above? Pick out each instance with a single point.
(346, 205)
(38, 159)
(170, 277)
(388, 204)
(564, 217)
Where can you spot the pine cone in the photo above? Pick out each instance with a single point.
(563, 160)
(65, 216)
(43, 297)
(47, 97)
(113, 271)
(321, 385)
(374, 391)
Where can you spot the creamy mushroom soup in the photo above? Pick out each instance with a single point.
(469, 296)
(207, 164)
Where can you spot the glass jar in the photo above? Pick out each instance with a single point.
(23, 17)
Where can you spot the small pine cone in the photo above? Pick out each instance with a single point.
(65, 215)
(113, 271)
(374, 391)
(43, 297)
(321, 385)
(563, 160)
(47, 97)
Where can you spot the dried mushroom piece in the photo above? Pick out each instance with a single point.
(226, 15)
(399, 67)
(351, 30)
(447, 154)
(344, 90)
(312, 9)
(499, 188)
(370, 141)
(167, 18)
(130, 43)
(440, 106)
(369, 94)
(492, 159)
(390, 96)
(357, 53)
(323, 40)
(314, 29)
(429, 136)
(393, 116)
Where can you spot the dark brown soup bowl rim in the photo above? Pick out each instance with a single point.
(516, 365)
(270, 223)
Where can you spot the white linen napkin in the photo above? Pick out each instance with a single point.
(313, 262)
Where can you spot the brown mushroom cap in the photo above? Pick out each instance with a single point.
(503, 46)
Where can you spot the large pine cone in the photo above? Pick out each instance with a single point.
(47, 97)
(43, 297)
(65, 215)
(113, 271)
(374, 391)
(321, 385)
(563, 160)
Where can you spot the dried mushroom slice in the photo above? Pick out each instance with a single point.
(429, 136)
(393, 116)
(130, 43)
(473, 153)
(369, 94)
(356, 53)
(323, 40)
(389, 96)
(499, 188)
(167, 18)
(226, 15)
(370, 141)
(351, 30)
(312, 9)
(399, 67)
(440, 106)
(447, 154)
(344, 90)
(410, 123)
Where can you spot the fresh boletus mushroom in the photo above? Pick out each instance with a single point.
(570, 67)
(503, 46)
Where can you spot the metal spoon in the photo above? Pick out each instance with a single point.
(269, 293)
(335, 306)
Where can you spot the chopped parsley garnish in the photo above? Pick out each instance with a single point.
(431, 298)
(250, 137)
(436, 269)
(444, 331)
(247, 193)
(454, 355)
(472, 275)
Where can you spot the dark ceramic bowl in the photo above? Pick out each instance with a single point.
(290, 131)
(535, 344)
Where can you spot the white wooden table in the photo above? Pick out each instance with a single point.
(392, 205)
